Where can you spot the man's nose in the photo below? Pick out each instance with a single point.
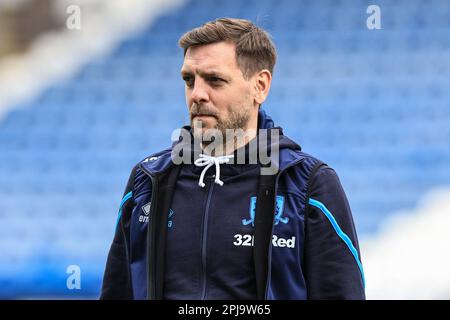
(200, 92)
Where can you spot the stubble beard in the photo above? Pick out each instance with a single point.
(237, 121)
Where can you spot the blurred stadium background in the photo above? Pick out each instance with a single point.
(78, 108)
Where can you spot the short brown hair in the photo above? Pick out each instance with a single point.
(255, 50)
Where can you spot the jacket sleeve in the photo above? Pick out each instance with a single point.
(333, 268)
(117, 278)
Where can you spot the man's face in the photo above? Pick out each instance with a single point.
(217, 94)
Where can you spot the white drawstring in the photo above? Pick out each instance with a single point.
(208, 161)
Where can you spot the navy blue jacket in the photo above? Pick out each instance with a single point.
(176, 240)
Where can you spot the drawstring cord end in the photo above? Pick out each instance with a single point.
(207, 161)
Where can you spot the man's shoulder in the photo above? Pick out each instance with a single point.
(316, 170)
(156, 157)
(305, 166)
(154, 163)
(304, 160)
(310, 175)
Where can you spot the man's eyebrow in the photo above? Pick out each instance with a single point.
(212, 73)
(185, 73)
(205, 74)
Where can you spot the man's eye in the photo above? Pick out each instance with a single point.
(215, 80)
(189, 81)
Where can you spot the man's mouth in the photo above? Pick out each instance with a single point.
(204, 116)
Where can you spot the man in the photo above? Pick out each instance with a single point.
(201, 220)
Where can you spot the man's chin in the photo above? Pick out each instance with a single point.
(206, 131)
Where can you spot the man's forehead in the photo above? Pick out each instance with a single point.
(211, 57)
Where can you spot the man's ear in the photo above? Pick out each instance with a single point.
(263, 80)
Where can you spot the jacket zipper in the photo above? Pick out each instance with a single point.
(204, 238)
(269, 254)
(205, 229)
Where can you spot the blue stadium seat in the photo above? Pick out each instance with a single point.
(372, 104)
